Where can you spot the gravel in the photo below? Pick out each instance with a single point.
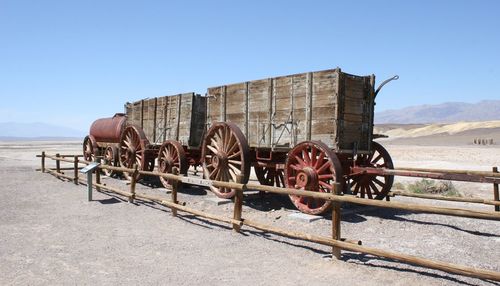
(50, 234)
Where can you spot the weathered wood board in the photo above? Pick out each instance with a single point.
(178, 117)
(331, 106)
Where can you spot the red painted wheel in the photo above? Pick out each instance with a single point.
(269, 176)
(373, 186)
(171, 155)
(225, 155)
(133, 144)
(314, 167)
(110, 159)
(90, 149)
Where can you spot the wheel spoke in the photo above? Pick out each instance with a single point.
(374, 188)
(320, 160)
(305, 155)
(216, 144)
(233, 147)
(236, 170)
(234, 155)
(380, 183)
(326, 165)
(369, 192)
(301, 162)
(325, 176)
(376, 159)
(235, 162)
(326, 185)
(356, 189)
(215, 151)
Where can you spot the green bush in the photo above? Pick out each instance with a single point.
(426, 186)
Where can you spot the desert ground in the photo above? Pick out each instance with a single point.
(50, 234)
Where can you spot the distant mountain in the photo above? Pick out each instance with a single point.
(442, 113)
(37, 130)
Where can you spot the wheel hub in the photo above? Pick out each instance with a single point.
(130, 154)
(220, 160)
(306, 178)
(166, 165)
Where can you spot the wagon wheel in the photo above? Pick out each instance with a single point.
(312, 166)
(269, 176)
(171, 155)
(110, 159)
(225, 155)
(370, 185)
(133, 145)
(90, 149)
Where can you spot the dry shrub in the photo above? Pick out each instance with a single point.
(443, 188)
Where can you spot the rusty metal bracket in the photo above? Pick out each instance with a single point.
(396, 77)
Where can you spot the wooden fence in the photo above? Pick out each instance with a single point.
(237, 220)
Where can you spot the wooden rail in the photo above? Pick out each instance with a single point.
(335, 241)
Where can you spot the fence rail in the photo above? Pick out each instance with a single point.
(237, 220)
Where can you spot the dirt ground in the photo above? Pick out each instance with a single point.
(50, 234)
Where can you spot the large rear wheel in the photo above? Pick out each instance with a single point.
(269, 175)
(110, 159)
(312, 166)
(133, 144)
(369, 185)
(225, 156)
(171, 155)
(90, 149)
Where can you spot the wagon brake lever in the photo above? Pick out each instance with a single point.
(396, 77)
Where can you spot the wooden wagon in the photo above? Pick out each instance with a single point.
(304, 131)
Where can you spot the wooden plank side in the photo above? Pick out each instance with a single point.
(285, 130)
(161, 119)
(148, 118)
(324, 106)
(235, 104)
(214, 104)
(198, 117)
(357, 114)
(171, 122)
(300, 106)
(185, 113)
(258, 113)
(331, 106)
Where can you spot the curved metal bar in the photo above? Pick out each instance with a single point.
(396, 77)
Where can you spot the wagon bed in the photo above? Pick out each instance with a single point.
(277, 113)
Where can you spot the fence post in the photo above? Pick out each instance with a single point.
(238, 205)
(97, 175)
(58, 163)
(133, 182)
(76, 170)
(175, 188)
(43, 161)
(495, 191)
(336, 221)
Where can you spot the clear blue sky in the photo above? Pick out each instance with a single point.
(70, 62)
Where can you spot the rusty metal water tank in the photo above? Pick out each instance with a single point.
(108, 130)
